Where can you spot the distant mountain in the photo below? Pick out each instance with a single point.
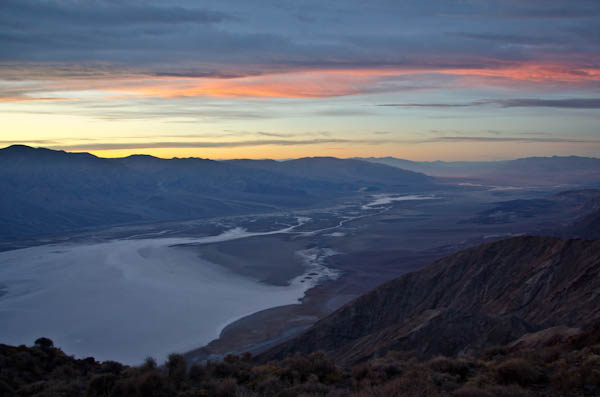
(487, 295)
(48, 191)
(343, 171)
(574, 204)
(531, 171)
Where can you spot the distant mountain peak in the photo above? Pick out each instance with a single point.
(18, 148)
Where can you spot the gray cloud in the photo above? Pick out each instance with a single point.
(219, 144)
(234, 38)
(102, 13)
(510, 139)
(298, 142)
(430, 105)
(570, 103)
(567, 103)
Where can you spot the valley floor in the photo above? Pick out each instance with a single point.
(325, 256)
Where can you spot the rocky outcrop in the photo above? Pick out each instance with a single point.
(487, 295)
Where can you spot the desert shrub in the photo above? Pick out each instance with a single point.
(23, 361)
(494, 352)
(508, 391)
(61, 389)
(67, 371)
(472, 391)
(360, 372)
(377, 371)
(152, 384)
(125, 388)
(298, 368)
(177, 368)
(269, 385)
(34, 388)
(246, 357)
(231, 358)
(197, 372)
(44, 342)
(567, 379)
(549, 354)
(226, 388)
(414, 383)
(459, 367)
(491, 391)
(101, 385)
(519, 371)
(222, 369)
(149, 364)
(310, 388)
(111, 367)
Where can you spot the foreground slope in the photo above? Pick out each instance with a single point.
(487, 295)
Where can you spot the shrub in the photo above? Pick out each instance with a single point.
(519, 371)
(197, 372)
(125, 388)
(44, 342)
(112, 367)
(226, 388)
(472, 391)
(177, 367)
(101, 385)
(460, 367)
(149, 364)
(152, 384)
(494, 352)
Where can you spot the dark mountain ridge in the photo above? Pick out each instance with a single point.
(48, 191)
(487, 295)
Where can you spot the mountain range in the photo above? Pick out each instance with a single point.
(46, 191)
(530, 171)
(49, 191)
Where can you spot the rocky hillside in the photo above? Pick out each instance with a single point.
(487, 295)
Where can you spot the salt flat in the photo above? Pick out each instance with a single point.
(125, 300)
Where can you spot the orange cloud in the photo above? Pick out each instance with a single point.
(320, 83)
(341, 82)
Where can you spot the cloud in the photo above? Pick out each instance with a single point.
(567, 103)
(240, 49)
(299, 142)
(510, 139)
(430, 105)
(273, 134)
(214, 144)
(102, 13)
(239, 38)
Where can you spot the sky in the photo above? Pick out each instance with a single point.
(421, 80)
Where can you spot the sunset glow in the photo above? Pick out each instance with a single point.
(300, 88)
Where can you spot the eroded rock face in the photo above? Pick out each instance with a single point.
(487, 295)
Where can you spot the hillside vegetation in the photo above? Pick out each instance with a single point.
(556, 365)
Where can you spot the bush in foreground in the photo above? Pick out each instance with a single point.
(568, 367)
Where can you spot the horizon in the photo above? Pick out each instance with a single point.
(286, 159)
(448, 81)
